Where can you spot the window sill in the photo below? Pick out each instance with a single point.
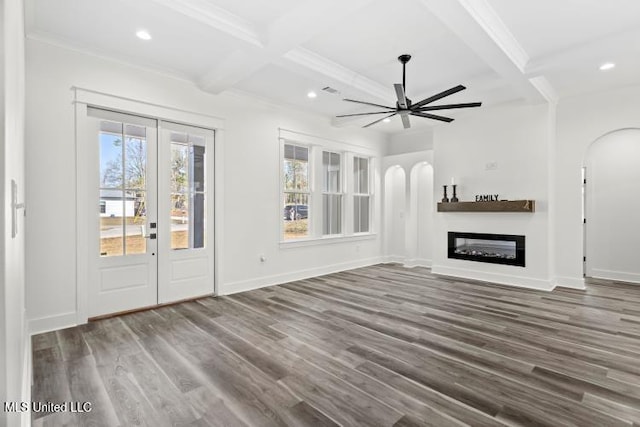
(326, 240)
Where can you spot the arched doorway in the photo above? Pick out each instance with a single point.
(612, 206)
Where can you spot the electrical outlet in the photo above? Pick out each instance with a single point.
(491, 166)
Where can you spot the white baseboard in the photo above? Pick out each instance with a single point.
(417, 262)
(52, 323)
(503, 279)
(392, 258)
(570, 282)
(262, 282)
(621, 276)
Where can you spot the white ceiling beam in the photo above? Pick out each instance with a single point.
(288, 32)
(478, 25)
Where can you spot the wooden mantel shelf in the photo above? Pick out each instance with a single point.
(498, 206)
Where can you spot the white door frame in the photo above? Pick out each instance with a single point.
(82, 98)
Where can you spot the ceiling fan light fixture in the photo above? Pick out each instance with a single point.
(607, 66)
(387, 120)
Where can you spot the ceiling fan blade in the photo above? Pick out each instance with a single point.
(402, 99)
(439, 96)
(405, 121)
(379, 120)
(364, 114)
(447, 106)
(431, 116)
(369, 103)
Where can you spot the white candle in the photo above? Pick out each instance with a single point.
(453, 181)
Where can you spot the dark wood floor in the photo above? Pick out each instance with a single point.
(377, 346)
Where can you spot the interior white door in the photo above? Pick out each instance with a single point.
(185, 216)
(123, 190)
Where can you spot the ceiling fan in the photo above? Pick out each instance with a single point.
(406, 108)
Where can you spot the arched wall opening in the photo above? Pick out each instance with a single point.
(611, 205)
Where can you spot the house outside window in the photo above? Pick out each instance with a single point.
(296, 191)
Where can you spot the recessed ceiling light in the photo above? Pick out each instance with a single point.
(143, 35)
(607, 66)
(387, 120)
(312, 94)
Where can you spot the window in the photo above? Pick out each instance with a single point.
(296, 206)
(361, 196)
(123, 172)
(331, 194)
(187, 191)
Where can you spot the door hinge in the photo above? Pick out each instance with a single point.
(584, 259)
(584, 220)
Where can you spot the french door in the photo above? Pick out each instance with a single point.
(152, 235)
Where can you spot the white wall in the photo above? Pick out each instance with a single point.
(613, 203)
(395, 212)
(250, 145)
(14, 340)
(425, 212)
(514, 140)
(410, 141)
(581, 121)
(408, 207)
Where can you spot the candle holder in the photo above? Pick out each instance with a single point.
(454, 198)
(445, 199)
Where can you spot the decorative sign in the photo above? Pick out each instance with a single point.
(487, 198)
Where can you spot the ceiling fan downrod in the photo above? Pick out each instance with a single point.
(404, 59)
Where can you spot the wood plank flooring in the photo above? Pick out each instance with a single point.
(377, 346)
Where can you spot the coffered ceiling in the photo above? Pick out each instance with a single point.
(502, 50)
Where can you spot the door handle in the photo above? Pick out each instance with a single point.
(15, 206)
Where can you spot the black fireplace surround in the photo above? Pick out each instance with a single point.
(492, 248)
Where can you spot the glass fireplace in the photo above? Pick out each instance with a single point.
(492, 248)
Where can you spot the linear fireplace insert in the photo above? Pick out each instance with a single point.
(492, 248)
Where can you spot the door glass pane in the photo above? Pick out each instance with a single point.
(111, 159)
(198, 168)
(179, 221)
(179, 167)
(123, 207)
(188, 195)
(135, 158)
(198, 220)
(136, 221)
(111, 222)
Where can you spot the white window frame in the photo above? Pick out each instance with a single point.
(309, 192)
(316, 146)
(368, 194)
(340, 193)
